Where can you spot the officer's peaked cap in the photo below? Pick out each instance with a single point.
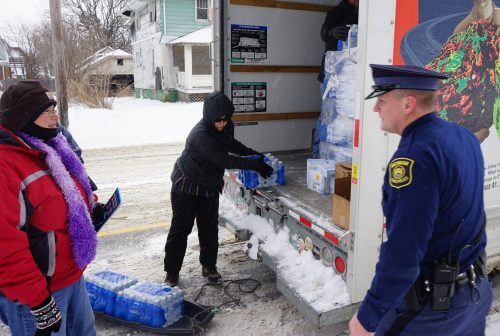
(390, 77)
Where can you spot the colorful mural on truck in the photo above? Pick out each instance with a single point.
(460, 38)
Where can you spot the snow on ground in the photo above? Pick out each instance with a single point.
(133, 122)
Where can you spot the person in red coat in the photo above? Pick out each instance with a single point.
(46, 203)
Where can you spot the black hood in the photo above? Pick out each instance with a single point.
(215, 106)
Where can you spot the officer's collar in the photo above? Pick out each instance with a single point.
(420, 121)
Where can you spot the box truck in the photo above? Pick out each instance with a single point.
(266, 57)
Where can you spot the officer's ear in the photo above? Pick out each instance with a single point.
(410, 102)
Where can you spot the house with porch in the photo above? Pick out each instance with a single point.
(170, 40)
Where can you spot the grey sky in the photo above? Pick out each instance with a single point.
(28, 11)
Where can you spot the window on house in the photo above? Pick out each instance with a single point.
(152, 12)
(119, 62)
(202, 9)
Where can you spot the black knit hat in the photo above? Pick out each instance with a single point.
(22, 103)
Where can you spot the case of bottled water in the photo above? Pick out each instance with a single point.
(150, 304)
(335, 153)
(320, 175)
(340, 132)
(252, 180)
(102, 288)
(337, 109)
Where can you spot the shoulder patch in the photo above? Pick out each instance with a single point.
(400, 172)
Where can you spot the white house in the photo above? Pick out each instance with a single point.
(115, 63)
(170, 40)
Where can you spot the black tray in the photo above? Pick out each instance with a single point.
(196, 317)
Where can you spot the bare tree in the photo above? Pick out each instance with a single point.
(27, 39)
(100, 22)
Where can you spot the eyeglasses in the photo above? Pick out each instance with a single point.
(51, 112)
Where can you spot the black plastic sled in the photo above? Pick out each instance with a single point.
(196, 317)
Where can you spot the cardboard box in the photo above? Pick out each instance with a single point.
(342, 195)
(320, 174)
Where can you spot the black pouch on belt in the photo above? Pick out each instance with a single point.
(417, 295)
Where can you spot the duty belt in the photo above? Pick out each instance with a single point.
(422, 289)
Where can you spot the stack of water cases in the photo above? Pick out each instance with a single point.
(150, 304)
(103, 287)
(253, 180)
(335, 126)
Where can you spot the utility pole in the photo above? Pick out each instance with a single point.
(59, 63)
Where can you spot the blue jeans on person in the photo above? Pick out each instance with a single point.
(466, 317)
(73, 302)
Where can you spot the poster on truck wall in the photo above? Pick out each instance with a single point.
(461, 39)
(249, 96)
(248, 43)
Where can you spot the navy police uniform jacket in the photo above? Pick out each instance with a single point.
(433, 183)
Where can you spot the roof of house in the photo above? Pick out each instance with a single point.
(200, 36)
(104, 54)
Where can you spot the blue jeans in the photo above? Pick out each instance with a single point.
(466, 317)
(73, 301)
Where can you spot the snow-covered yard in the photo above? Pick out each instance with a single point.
(133, 122)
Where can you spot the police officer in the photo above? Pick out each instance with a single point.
(430, 278)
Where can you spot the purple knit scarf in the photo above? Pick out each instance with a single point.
(64, 163)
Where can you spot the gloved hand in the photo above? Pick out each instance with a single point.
(263, 168)
(47, 317)
(339, 32)
(98, 213)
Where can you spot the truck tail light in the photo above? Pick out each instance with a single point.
(340, 265)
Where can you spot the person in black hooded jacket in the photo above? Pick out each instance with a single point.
(197, 180)
(336, 27)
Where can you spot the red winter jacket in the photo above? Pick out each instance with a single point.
(35, 248)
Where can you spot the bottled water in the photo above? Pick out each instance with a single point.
(102, 288)
(281, 173)
(252, 180)
(335, 153)
(340, 132)
(335, 127)
(150, 304)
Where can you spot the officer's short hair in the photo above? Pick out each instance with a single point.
(425, 98)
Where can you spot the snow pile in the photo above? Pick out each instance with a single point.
(319, 285)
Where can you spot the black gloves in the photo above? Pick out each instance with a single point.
(339, 32)
(263, 168)
(47, 317)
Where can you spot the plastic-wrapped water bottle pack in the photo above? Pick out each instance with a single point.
(335, 127)
(252, 180)
(150, 304)
(147, 303)
(102, 288)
